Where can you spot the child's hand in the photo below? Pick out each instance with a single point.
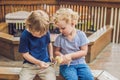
(64, 59)
(43, 65)
(67, 59)
(51, 59)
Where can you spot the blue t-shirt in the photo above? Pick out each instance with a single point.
(68, 47)
(37, 47)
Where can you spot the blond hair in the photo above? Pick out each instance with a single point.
(38, 21)
(66, 14)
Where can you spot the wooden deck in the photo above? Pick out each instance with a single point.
(108, 60)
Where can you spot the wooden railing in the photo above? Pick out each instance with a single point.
(94, 14)
(98, 41)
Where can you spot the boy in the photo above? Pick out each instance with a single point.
(36, 48)
(71, 45)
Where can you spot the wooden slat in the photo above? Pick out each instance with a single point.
(101, 19)
(118, 28)
(114, 32)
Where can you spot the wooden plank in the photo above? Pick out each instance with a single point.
(9, 73)
(106, 76)
(4, 27)
(12, 73)
(96, 73)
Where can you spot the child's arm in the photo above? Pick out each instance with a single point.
(35, 61)
(78, 54)
(57, 51)
(64, 59)
(50, 50)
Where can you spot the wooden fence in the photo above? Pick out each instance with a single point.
(94, 14)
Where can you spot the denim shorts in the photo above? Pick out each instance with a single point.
(76, 72)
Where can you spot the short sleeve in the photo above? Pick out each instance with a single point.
(23, 45)
(48, 37)
(83, 39)
(58, 41)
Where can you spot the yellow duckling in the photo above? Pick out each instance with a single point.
(58, 59)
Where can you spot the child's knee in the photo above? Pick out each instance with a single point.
(71, 78)
(88, 77)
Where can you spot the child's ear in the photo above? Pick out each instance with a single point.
(73, 23)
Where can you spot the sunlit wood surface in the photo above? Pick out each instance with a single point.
(108, 60)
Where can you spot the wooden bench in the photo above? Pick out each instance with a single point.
(9, 46)
(4, 27)
(12, 73)
(98, 41)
